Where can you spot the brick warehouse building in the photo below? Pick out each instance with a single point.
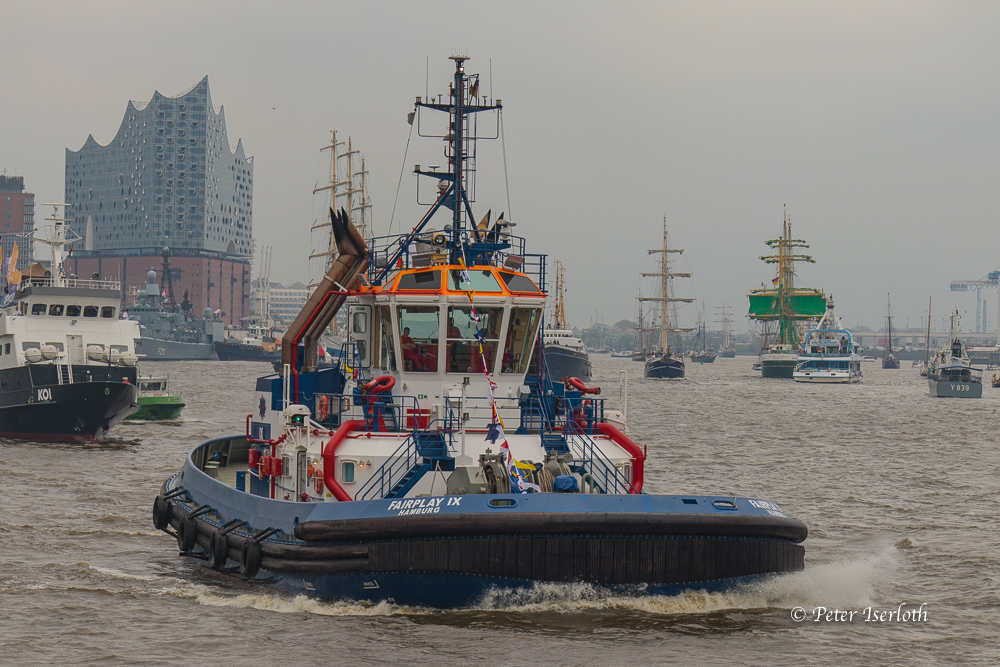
(17, 219)
(169, 178)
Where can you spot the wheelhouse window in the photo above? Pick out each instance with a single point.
(347, 472)
(418, 338)
(425, 280)
(56, 309)
(517, 283)
(108, 312)
(479, 281)
(387, 351)
(90, 311)
(463, 343)
(73, 311)
(520, 335)
(38, 309)
(29, 345)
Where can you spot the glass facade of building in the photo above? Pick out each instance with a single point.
(170, 177)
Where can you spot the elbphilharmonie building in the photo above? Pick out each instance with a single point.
(170, 178)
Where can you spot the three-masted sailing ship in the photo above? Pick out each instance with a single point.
(348, 191)
(664, 362)
(727, 350)
(889, 359)
(702, 354)
(784, 307)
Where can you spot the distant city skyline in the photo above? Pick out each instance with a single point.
(873, 125)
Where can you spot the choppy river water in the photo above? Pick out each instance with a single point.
(899, 490)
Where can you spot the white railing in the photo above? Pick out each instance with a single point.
(72, 282)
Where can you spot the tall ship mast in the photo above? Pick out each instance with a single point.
(783, 309)
(725, 314)
(565, 353)
(702, 354)
(348, 188)
(889, 360)
(664, 363)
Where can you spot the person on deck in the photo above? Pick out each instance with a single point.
(455, 347)
(410, 352)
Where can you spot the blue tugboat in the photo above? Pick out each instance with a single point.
(438, 460)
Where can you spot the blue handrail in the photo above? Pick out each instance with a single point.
(405, 459)
(590, 457)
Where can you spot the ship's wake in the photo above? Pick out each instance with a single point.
(847, 584)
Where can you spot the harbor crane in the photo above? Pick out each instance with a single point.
(990, 281)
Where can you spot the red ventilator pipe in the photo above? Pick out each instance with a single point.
(626, 443)
(329, 459)
(578, 384)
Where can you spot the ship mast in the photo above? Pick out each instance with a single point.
(559, 309)
(665, 300)
(726, 323)
(58, 234)
(342, 195)
(785, 259)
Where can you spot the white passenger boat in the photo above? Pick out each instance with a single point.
(68, 366)
(829, 354)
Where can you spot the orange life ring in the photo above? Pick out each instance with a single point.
(322, 407)
(381, 384)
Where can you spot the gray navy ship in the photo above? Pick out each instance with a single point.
(169, 332)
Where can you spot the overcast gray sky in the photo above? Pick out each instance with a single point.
(875, 123)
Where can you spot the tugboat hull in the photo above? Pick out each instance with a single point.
(778, 368)
(452, 551)
(954, 388)
(664, 368)
(565, 363)
(171, 350)
(155, 408)
(243, 352)
(77, 412)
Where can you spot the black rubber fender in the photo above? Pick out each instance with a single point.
(187, 533)
(250, 558)
(161, 513)
(218, 549)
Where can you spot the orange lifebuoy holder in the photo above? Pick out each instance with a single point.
(578, 384)
(379, 385)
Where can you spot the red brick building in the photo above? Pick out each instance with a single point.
(17, 219)
(217, 282)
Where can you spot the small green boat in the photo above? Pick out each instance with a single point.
(155, 403)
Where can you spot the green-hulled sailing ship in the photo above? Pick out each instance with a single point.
(783, 309)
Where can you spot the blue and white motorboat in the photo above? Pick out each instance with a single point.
(439, 460)
(829, 354)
